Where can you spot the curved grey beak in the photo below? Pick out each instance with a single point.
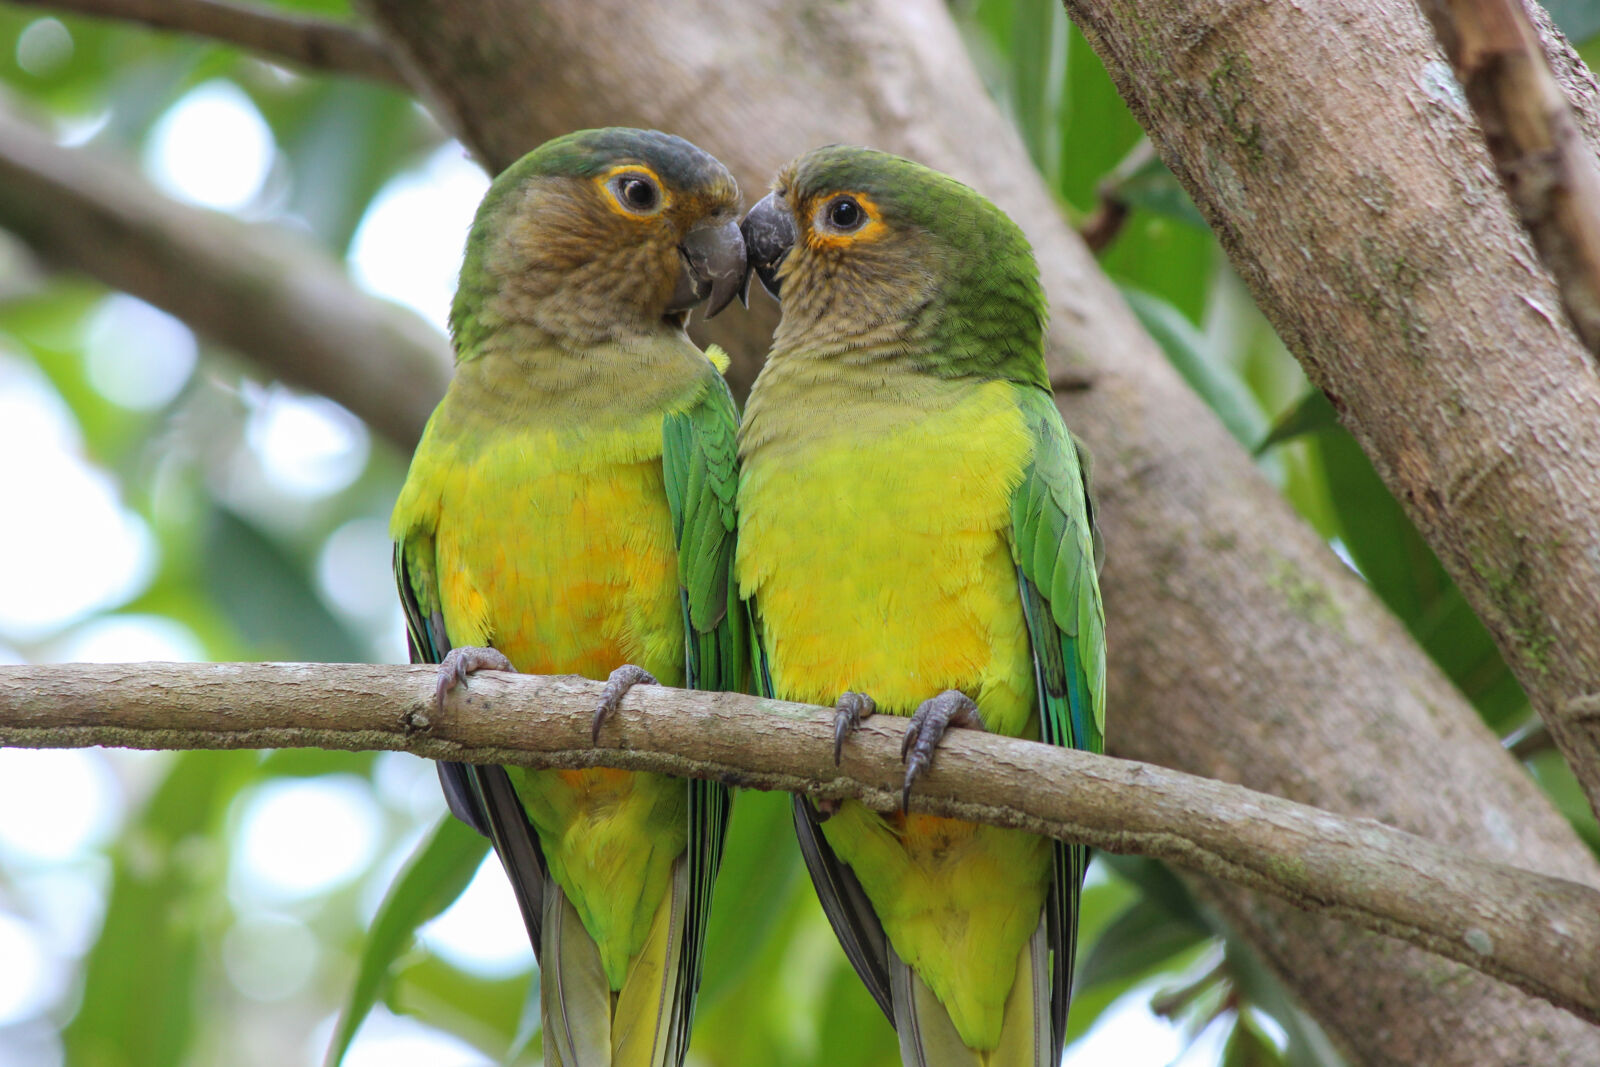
(713, 267)
(769, 233)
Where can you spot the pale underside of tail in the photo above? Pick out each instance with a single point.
(929, 1039)
(588, 1025)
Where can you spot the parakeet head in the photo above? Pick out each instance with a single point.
(599, 235)
(876, 257)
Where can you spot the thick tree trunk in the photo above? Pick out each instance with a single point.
(1367, 218)
(1241, 648)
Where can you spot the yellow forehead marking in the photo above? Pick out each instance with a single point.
(873, 229)
(603, 180)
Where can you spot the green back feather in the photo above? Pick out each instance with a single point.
(700, 462)
(1055, 544)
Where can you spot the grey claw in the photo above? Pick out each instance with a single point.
(461, 663)
(621, 680)
(852, 709)
(933, 717)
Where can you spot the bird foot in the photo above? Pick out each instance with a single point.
(853, 708)
(933, 717)
(459, 663)
(621, 680)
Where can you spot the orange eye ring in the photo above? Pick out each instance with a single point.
(634, 190)
(844, 218)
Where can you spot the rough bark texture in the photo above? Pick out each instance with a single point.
(1541, 933)
(313, 43)
(1373, 232)
(1229, 621)
(262, 292)
(1547, 167)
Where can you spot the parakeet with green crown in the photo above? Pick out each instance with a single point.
(570, 509)
(916, 537)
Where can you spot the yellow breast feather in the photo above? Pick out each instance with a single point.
(883, 565)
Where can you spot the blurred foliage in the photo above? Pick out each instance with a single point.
(242, 565)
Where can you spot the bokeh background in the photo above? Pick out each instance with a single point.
(165, 499)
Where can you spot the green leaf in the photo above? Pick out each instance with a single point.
(343, 140)
(267, 596)
(1261, 989)
(1313, 414)
(853, 1029)
(1187, 351)
(799, 1001)
(1142, 938)
(1405, 573)
(1143, 181)
(530, 1023)
(1247, 1046)
(1154, 879)
(760, 863)
(1398, 564)
(1038, 62)
(479, 1010)
(142, 986)
(1098, 130)
(435, 875)
(1555, 776)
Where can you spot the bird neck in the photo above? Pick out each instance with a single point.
(806, 396)
(524, 374)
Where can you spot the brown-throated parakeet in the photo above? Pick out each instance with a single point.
(570, 509)
(916, 537)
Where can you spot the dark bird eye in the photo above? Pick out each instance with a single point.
(845, 214)
(637, 193)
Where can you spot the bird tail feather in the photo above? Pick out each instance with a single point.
(574, 996)
(585, 1024)
(642, 1029)
(928, 1037)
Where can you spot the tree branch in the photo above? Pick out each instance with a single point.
(258, 290)
(1372, 232)
(312, 43)
(1537, 932)
(1548, 169)
(1224, 609)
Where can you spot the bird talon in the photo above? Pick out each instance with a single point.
(852, 709)
(933, 717)
(620, 681)
(459, 664)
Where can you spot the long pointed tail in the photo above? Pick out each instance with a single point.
(585, 1023)
(574, 996)
(929, 1039)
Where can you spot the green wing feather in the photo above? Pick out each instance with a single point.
(700, 461)
(1056, 546)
